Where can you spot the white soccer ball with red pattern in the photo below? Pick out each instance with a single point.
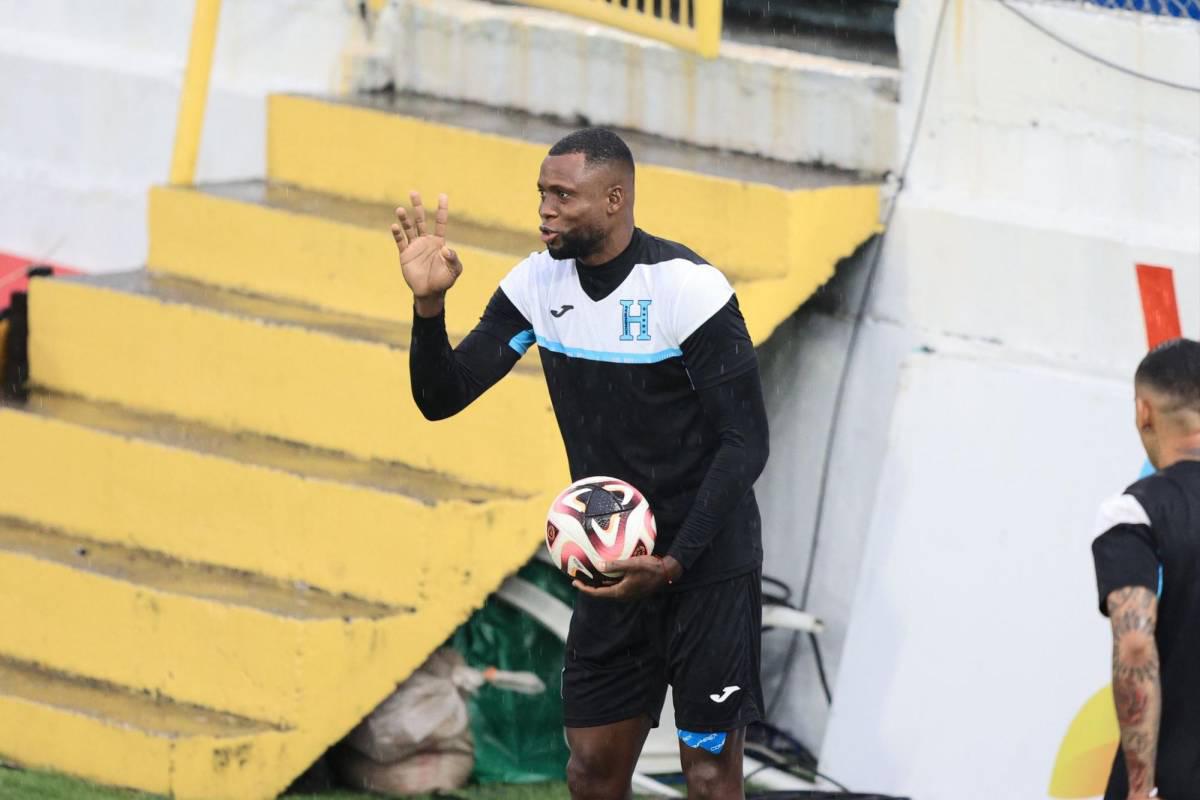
(598, 519)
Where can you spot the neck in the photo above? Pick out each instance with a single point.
(1187, 448)
(614, 244)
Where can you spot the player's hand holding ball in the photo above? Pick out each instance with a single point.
(600, 532)
(430, 268)
(640, 576)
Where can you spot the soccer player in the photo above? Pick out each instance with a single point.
(654, 380)
(1148, 573)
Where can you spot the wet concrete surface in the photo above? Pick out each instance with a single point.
(167, 574)
(309, 462)
(113, 704)
(647, 149)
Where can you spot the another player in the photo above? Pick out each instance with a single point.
(1148, 571)
(654, 380)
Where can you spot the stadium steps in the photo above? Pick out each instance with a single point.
(220, 632)
(226, 533)
(233, 572)
(112, 734)
(161, 344)
(378, 531)
(752, 217)
(315, 248)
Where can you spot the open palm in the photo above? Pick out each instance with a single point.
(429, 266)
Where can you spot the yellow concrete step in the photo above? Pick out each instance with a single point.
(222, 569)
(322, 250)
(751, 217)
(237, 362)
(374, 530)
(315, 248)
(114, 735)
(193, 632)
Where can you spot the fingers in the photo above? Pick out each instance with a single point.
(397, 234)
(442, 216)
(452, 262)
(598, 591)
(406, 224)
(418, 212)
(627, 564)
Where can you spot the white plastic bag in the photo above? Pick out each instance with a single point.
(419, 739)
(426, 709)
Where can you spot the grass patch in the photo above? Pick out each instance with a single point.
(494, 791)
(19, 784)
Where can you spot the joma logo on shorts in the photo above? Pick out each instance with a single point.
(721, 698)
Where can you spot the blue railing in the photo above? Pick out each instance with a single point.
(1188, 9)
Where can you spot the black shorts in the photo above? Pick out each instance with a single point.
(704, 642)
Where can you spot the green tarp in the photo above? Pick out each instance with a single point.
(518, 738)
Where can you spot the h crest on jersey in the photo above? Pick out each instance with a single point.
(640, 319)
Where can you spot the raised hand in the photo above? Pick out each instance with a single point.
(430, 268)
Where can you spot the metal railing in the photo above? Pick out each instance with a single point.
(833, 17)
(693, 25)
(1188, 9)
(194, 97)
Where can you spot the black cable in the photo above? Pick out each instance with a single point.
(1028, 20)
(821, 667)
(746, 778)
(781, 586)
(864, 300)
(788, 659)
(803, 772)
(828, 779)
(852, 346)
(807, 762)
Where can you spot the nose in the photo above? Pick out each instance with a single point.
(546, 209)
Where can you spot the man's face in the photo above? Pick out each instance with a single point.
(575, 206)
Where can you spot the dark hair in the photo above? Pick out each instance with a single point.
(1173, 368)
(598, 145)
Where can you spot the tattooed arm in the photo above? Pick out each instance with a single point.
(1136, 690)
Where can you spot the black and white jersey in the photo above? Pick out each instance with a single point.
(1150, 537)
(653, 379)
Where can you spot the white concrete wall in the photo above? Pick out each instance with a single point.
(801, 366)
(1009, 296)
(759, 100)
(89, 94)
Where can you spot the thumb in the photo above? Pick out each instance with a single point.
(451, 259)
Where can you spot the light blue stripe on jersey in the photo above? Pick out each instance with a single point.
(521, 341)
(615, 358)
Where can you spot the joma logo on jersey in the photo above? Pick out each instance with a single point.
(640, 319)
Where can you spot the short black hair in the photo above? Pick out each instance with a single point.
(1173, 368)
(598, 145)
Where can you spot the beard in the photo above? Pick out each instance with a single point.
(577, 244)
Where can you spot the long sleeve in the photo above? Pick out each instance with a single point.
(446, 380)
(724, 371)
(735, 408)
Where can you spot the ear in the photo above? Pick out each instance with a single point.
(616, 198)
(1144, 413)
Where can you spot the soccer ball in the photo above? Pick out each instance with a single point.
(598, 519)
